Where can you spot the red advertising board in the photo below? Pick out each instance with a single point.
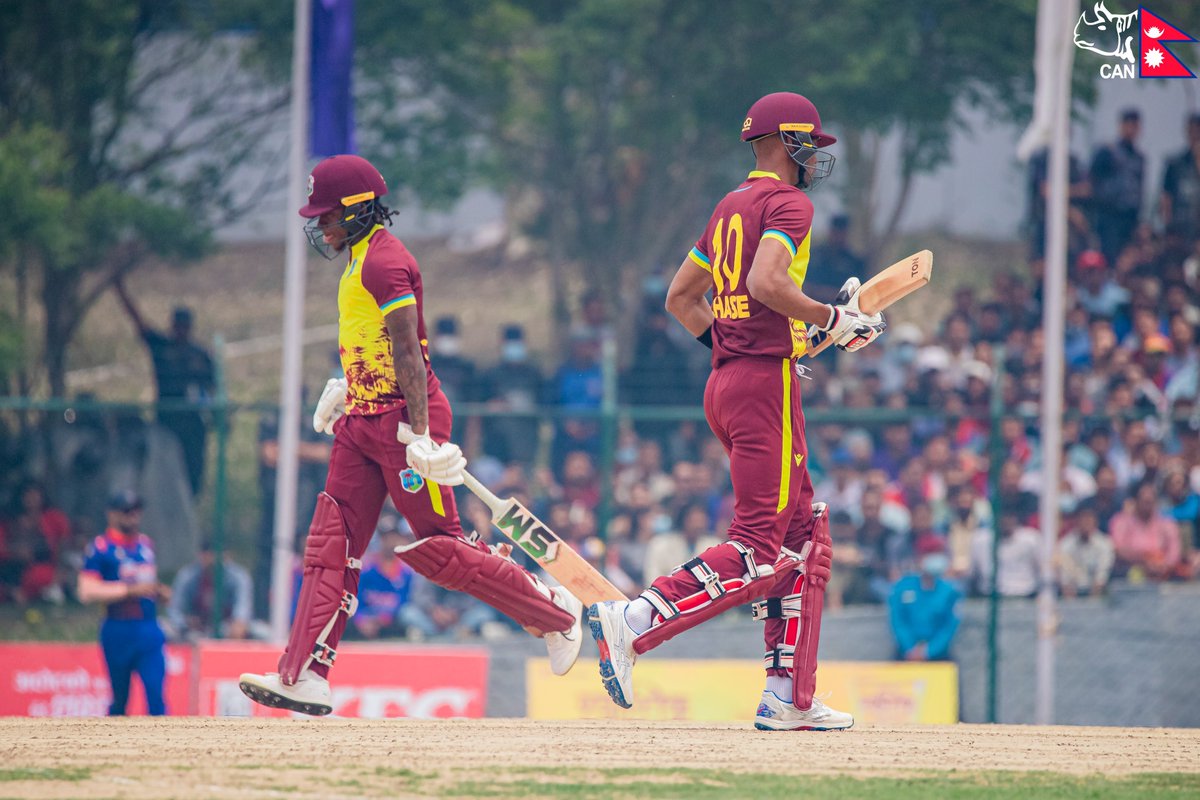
(70, 680)
(370, 680)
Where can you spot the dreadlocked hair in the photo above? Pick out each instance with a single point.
(381, 214)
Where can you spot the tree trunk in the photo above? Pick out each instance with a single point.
(61, 304)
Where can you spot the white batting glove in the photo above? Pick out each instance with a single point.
(848, 327)
(441, 463)
(331, 406)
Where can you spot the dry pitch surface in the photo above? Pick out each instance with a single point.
(196, 757)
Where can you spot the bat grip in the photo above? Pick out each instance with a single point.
(494, 503)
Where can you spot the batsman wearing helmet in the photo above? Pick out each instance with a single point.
(389, 385)
(753, 257)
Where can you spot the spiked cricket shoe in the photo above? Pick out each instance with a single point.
(310, 694)
(614, 638)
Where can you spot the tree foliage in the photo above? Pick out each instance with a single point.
(102, 164)
(613, 125)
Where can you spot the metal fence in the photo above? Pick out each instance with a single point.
(915, 472)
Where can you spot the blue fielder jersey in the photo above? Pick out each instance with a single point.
(128, 559)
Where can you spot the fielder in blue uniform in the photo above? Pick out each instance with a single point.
(120, 572)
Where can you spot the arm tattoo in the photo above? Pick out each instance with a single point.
(409, 364)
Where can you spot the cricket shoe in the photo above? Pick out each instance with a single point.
(563, 646)
(776, 715)
(614, 638)
(309, 694)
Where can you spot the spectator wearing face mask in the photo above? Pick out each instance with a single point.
(515, 385)
(675, 541)
(922, 607)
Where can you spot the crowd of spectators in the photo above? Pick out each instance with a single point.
(918, 517)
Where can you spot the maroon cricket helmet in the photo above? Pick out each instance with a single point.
(784, 111)
(340, 182)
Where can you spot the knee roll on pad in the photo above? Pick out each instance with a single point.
(454, 563)
(323, 594)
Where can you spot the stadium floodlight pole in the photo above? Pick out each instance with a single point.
(1054, 298)
(287, 466)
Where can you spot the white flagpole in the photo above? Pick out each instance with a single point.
(288, 465)
(1058, 25)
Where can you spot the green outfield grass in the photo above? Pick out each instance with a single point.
(677, 783)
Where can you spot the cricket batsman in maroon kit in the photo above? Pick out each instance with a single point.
(389, 386)
(753, 258)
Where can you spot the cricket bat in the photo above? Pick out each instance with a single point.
(551, 553)
(543, 545)
(899, 280)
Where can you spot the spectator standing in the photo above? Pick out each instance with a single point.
(1182, 504)
(1037, 188)
(970, 515)
(1117, 175)
(514, 385)
(1147, 541)
(883, 550)
(1085, 556)
(659, 374)
(1179, 203)
(832, 261)
(579, 386)
(120, 572)
(922, 608)
(31, 538)
(194, 598)
(1018, 574)
(184, 372)
(692, 535)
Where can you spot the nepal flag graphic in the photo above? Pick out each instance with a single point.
(1156, 60)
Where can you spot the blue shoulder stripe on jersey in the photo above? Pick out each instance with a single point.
(782, 238)
(698, 256)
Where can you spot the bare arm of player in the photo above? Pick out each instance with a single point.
(770, 284)
(409, 363)
(685, 298)
(91, 588)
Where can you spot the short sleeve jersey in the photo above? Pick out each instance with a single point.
(381, 277)
(128, 559)
(763, 207)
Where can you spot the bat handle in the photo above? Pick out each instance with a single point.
(494, 503)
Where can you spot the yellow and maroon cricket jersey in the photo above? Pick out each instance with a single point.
(763, 207)
(381, 277)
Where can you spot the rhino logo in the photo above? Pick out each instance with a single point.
(1107, 33)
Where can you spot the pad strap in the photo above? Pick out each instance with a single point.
(784, 607)
(782, 657)
(708, 602)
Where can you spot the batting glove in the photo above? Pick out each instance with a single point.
(848, 327)
(440, 463)
(331, 406)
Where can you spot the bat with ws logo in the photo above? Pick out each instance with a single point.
(543, 545)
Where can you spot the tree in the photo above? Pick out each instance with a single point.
(612, 125)
(120, 122)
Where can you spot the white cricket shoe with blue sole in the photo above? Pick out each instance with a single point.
(563, 646)
(777, 715)
(614, 638)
